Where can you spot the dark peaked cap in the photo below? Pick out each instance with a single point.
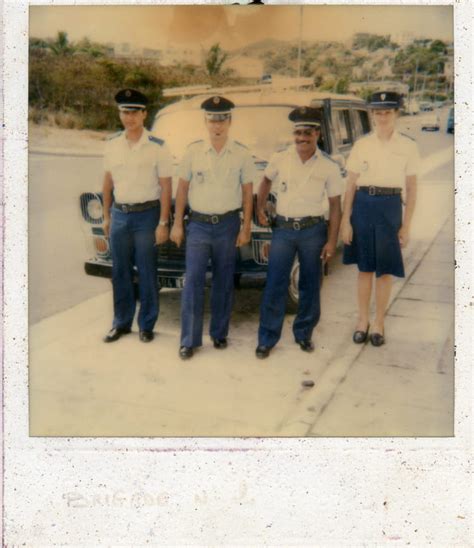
(131, 99)
(306, 116)
(385, 100)
(217, 107)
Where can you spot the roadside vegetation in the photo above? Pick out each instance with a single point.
(72, 84)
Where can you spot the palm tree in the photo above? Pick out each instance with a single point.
(61, 45)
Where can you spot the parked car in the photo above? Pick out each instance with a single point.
(450, 126)
(430, 122)
(260, 121)
(412, 107)
(426, 107)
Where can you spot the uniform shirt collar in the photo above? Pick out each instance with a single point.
(311, 159)
(143, 138)
(395, 138)
(228, 147)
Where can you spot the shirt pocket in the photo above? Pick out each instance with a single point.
(119, 169)
(200, 174)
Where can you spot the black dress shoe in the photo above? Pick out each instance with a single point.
(146, 336)
(360, 337)
(262, 352)
(377, 339)
(186, 352)
(115, 333)
(306, 345)
(220, 343)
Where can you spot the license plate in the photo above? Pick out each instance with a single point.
(171, 282)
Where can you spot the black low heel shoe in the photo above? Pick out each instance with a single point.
(360, 337)
(377, 339)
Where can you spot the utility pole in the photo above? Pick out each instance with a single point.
(299, 47)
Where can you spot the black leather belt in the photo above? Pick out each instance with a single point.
(380, 190)
(211, 219)
(129, 208)
(296, 223)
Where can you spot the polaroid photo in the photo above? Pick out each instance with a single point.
(236, 258)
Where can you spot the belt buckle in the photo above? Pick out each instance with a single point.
(214, 219)
(125, 208)
(296, 225)
(371, 190)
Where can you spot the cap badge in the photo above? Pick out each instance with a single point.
(128, 93)
(216, 100)
(383, 96)
(303, 110)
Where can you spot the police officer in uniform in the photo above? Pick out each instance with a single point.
(302, 176)
(216, 177)
(137, 200)
(373, 226)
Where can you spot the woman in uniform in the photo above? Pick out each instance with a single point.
(373, 227)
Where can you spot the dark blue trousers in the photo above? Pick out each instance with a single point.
(132, 241)
(286, 244)
(216, 243)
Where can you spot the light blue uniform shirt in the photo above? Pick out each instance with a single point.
(216, 178)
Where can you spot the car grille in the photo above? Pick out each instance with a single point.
(170, 252)
(260, 251)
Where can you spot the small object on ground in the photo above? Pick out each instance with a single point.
(308, 383)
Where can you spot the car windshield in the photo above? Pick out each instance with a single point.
(264, 129)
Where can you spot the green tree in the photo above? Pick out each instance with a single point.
(215, 59)
(61, 45)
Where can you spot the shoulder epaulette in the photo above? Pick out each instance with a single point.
(241, 144)
(196, 142)
(365, 136)
(154, 139)
(326, 155)
(408, 136)
(113, 136)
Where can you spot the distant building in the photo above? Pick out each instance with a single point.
(184, 56)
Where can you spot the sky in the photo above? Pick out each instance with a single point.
(234, 26)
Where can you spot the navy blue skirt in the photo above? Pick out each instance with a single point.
(375, 246)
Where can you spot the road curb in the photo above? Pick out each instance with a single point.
(309, 409)
(64, 152)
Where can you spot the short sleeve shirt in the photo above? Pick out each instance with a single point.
(136, 169)
(302, 188)
(384, 164)
(216, 178)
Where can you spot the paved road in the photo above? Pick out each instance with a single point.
(58, 239)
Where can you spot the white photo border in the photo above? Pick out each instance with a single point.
(225, 490)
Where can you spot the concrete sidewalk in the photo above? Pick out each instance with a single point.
(80, 386)
(405, 388)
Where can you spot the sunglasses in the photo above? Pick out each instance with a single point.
(306, 132)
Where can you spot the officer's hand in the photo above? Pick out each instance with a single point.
(403, 236)
(106, 227)
(244, 237)
(346, 232)
(177, 234)
(161, 234)
(328, 251)
(262, 217)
